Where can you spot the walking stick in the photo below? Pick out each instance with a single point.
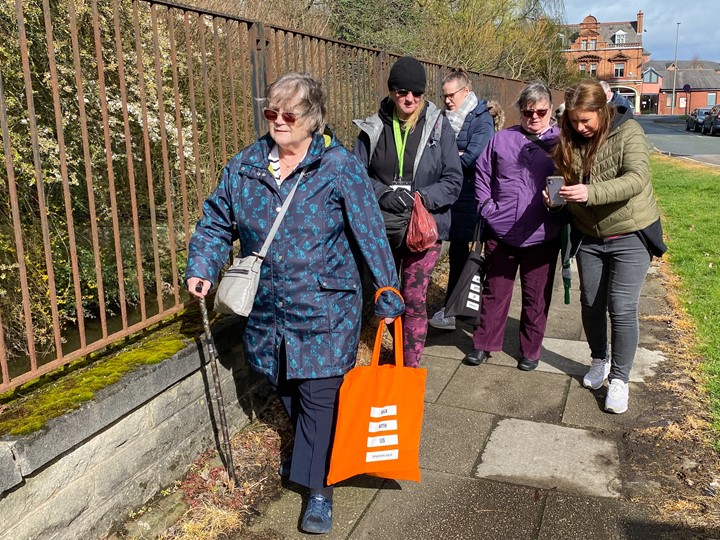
(212, 352)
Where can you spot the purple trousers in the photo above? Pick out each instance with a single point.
(415, 270)
(537, 267)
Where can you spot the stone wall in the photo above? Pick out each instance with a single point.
(86, 470)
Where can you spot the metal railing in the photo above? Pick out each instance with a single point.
(116, 118)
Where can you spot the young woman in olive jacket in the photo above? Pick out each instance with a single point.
(602, 155)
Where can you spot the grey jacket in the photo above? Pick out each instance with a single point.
(437, 173)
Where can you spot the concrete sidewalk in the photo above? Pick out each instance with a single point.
(507, 454)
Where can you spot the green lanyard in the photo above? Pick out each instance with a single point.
(400, 142)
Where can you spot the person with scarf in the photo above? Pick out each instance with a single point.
(473, 125)
(523, 235)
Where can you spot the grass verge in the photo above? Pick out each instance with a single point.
(689, 197)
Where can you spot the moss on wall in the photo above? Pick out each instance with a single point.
(29, 407)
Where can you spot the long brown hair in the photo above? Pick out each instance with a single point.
(586, 96)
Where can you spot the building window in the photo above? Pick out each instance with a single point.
(619, 70)
(620, 38)
(650, 76)
(593, 70)
(712, 99)
(583, 45)
(668, 103)
(582, 69)
(593, 44)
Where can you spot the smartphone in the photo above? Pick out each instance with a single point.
(554, 183)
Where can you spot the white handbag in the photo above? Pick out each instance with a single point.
(238, 286)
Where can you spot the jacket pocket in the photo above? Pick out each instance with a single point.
(333, 283)
(342, 302)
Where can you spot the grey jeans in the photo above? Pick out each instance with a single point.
(612, 273)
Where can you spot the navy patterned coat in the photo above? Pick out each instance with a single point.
(310, 289)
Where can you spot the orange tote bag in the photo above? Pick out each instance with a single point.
(379, 417)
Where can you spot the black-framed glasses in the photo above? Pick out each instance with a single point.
(288, 117)
(402, 93)
(451, 97)
(527, 113)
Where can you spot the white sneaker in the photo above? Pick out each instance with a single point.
(440, 321)
(599, 371)
(617, 397)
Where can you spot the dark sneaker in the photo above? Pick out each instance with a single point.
(318, 515)
(284, 468)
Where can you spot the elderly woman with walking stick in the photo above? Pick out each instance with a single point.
(304, 327)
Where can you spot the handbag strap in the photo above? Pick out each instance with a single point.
(480, 230)
(280, 216)
(397, 336)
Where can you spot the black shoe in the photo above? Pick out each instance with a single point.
(476, 357)
(526, 364)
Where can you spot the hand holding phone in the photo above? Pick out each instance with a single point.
(554, 183)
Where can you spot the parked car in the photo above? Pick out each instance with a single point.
(711, 124)
(695, 119)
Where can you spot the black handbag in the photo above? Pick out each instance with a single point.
(466, 299)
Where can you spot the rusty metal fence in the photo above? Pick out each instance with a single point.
(116, 117)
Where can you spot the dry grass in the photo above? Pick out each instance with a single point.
(207, 522)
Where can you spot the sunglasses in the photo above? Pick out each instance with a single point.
(540, 112)
(289, 118)
(403, 93)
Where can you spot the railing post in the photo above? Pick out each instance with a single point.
(381, 77)
(259, 58)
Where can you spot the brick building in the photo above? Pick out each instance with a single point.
(697, 84)
(609, 51)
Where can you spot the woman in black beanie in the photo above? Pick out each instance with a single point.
(408, 147)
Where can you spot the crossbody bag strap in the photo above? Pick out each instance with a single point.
(280, 216)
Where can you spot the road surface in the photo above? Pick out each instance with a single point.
(668, 135)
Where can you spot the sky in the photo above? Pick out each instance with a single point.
(699, 31)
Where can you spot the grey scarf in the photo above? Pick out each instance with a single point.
(457, 118)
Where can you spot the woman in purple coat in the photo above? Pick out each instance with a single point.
(510, 177)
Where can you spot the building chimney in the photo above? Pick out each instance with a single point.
(640, 24)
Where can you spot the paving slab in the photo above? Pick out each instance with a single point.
(559, 356)
(439, 372)
(350, 499)
(449, 507)
(551, 457)
(507, 392)
(453, 438)
(586, 408)
(569, 517)
(573, 358)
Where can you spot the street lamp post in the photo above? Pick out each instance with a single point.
(677, 34)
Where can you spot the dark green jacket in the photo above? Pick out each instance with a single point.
(620, 195)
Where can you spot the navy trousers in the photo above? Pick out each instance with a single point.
(311, 405)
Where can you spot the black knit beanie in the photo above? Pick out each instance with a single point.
(407, 74)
